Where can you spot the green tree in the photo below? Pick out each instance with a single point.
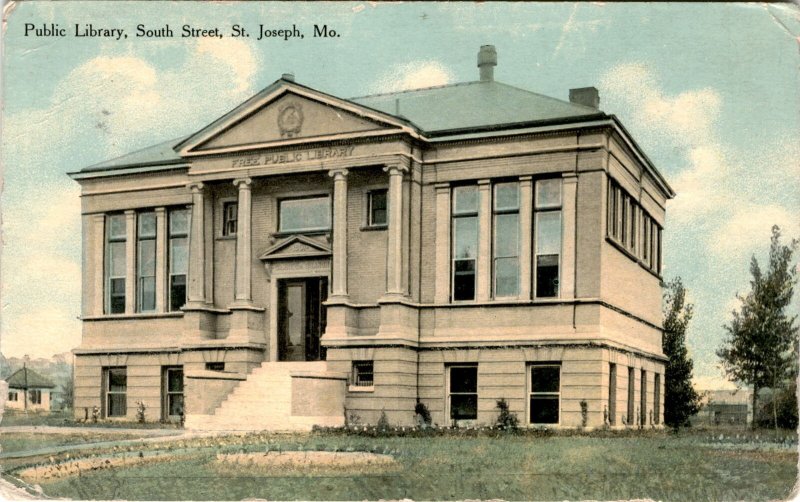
(761, 347)
(680, 399)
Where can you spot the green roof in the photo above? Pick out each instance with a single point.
(160, 154)
(473, 105)
(26, 378)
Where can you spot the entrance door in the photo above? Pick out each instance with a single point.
(301, 318)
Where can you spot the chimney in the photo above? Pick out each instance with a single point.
(487, 60)
(289, 77)
(586, 96)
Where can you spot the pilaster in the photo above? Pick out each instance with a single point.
(442, 284)
(98, 258)
(526, 236)
(568, 212)
(161, 259)
(394, 251)
(130, 262)
(243, 294)
(483, 283)
(196, 289)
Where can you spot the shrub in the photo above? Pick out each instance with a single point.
(584, 413)
(140, 412)
(506, 420)
(383, 422)
(95, 414)
(423, 415)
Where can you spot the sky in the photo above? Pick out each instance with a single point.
(710, 92)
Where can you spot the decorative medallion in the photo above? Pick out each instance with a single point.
(290, 120)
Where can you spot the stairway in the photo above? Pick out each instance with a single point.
(264, 400)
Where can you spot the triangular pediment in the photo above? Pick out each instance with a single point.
(296, 246)
(287, 113)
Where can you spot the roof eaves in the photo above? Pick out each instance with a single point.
(515, 125)
(646, 160)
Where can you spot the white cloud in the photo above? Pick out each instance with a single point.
(131, 102)
(749, 229)
(413, 75)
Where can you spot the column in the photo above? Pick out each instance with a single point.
(339, 286)
(243, 242)
(525, 235)
(394, 252)
(197, 249)
(442, 284)
(484, 280)
(130, 262)
(161, 259)
(99, 253)
(568, 252)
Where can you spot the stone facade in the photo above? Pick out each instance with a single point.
(512, 259)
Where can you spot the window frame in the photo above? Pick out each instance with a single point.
(210, 366)
(449, 392)
(13, 396)
(656, 398)
(226, 220)
(454, 216)
(358, 370)
(170, 272)
(308, 230)
(167, 394)
(496, 212)
(612, 393)
(35, 396)
(107, 392)
(642, 397)
(109, 264)
(530, 393)
(539, 209)
(139, 276)
(370, 222)
(631, 396)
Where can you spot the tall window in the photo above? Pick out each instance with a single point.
(548, 237)
(630, 396)
(115, 390)
(612, 393)
(545, 393)
(146, 262)
(307, 214)
(173, 391)
(657, 399)
(230, 216)
(506, 239)
(178, 257)
(643, 399)
(115, 263)
(465, 241)
(463, 394)
(377, 212)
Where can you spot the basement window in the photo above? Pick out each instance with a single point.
(545, 393)
(363, 374)
(215, 366)
(463, 387)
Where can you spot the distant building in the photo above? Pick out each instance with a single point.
(28, 390)
(308, 255)
(725, 407)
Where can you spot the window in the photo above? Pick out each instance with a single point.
(463, 396)
(115, 389)
(305, 215)
(545, 393)
(630, 226)
(643, 399)
(363, 374)
(215, 366)
(173, 391)
(12, 396)
(377, 213)
(506, 239)
(612, 393)
(465, 241)
(230, 215)
(35, 396)
(116, 265)
(178, 257)
(630, 396)
(657, 399)
(548, 237)
(146, 262)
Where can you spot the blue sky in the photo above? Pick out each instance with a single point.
(710, 91)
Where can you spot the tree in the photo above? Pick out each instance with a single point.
(761, 347)
(680, 399)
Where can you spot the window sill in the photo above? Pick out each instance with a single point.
(226, 237)
(627, 252)
(280, 235)
(358, 388)
(140, 315)
(373, 228)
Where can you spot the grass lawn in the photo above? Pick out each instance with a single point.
(23, 441)
(658, 466)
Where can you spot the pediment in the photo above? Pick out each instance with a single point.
(288, 113)
(296, 247)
